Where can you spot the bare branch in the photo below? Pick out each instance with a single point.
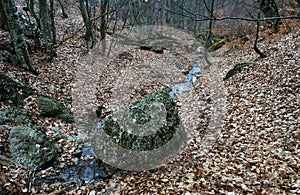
(252, 19)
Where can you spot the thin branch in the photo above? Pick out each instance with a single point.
(206, 18)
(252, 19)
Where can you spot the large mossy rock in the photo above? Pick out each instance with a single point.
(15, 115)
(49, 107)
(138, 137)
(30, 147)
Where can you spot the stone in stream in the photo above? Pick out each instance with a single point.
(142, 135)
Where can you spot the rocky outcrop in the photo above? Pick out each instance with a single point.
(141, 136)
(30, 147)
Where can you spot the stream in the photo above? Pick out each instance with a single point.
(87, 169)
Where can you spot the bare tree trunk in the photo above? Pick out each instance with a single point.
(104, 5)
(53, 31)
(298, 14)
(45, 21)
(11, 18)
(84, 9)
(65, 15)
(211, 15)
(30, 5)
(256, 49)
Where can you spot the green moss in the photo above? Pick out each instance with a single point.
(10, 92)
(216, 39)
(49, 107)
(148, 123)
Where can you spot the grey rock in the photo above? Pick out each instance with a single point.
(49, 107)
(13, 114)
(30, 147)
(141, 136)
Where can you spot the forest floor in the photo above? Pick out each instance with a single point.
(255, 149)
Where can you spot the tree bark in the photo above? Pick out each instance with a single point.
(45, 21)
(211, 15)
(256, 49)
(11, 18)
(298, 14)
(83, 6)
(104, 5)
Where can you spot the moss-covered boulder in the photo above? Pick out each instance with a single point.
(66, 115)
(14, 115)
(141, 136)
(30, 147)
(49, 107)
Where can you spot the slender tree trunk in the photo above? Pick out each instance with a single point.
(53, 31)
(298, 14)
(45, 21)
(210, 35)
(11, 18)
(104, 5)
(52, 23)
(270, 9)
(37, 42)
(83, 6)
(65, 15)
(256, 49)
